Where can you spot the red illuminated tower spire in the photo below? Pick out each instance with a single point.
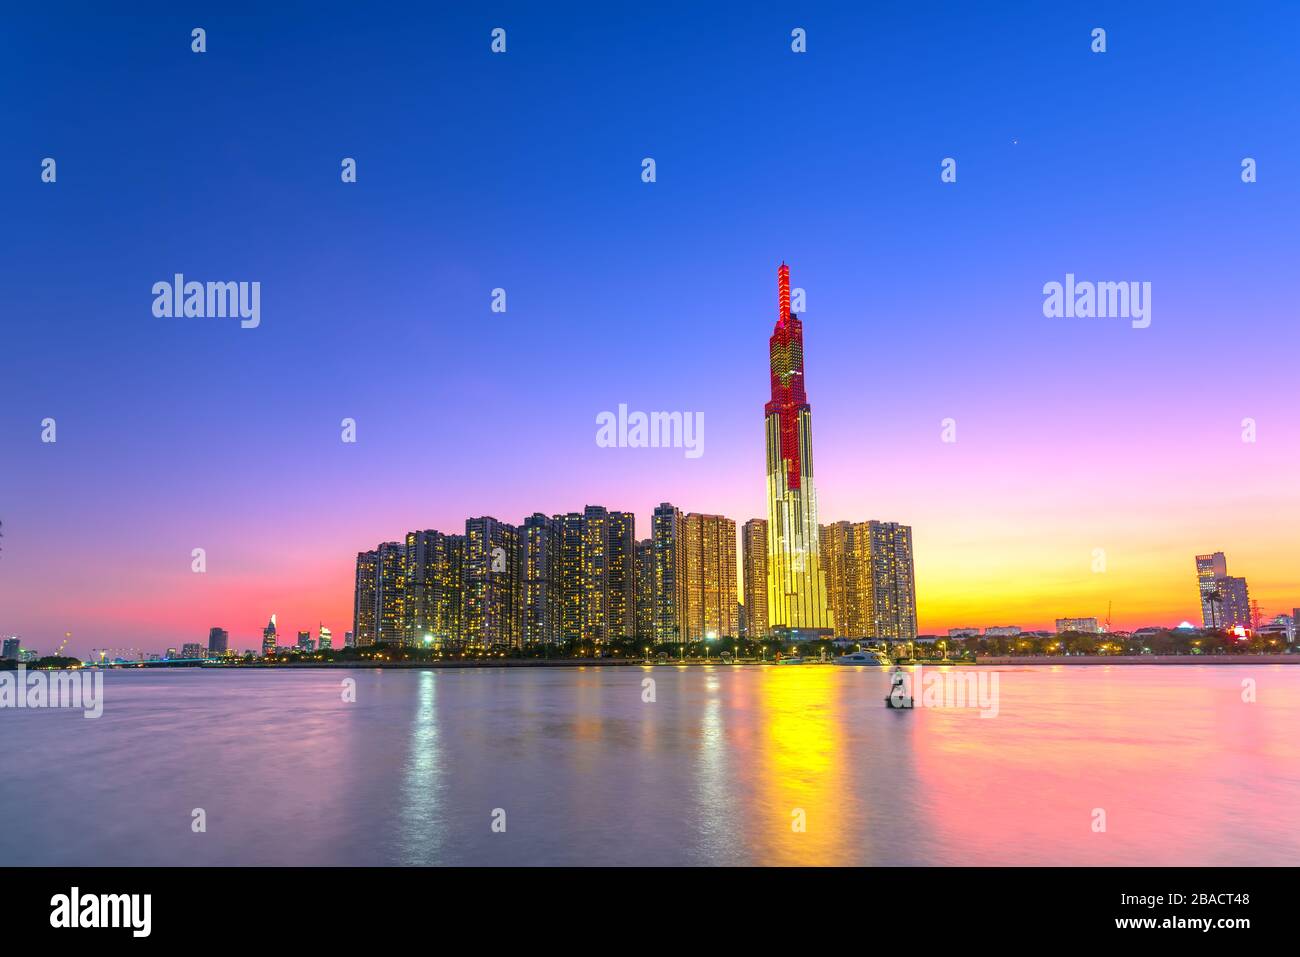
(788, 398)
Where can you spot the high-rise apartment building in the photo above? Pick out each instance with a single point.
(364, 622)
(493, 587)
(796, 593)
(304, 641)
(595, 573)
(710, 545)
(871, 580)
(893, 581)
(540, 542)
(753, 549)
(434, 588)
(571, 576)
(621, 603)
(390, 595)
(645, 590)
(670, 603)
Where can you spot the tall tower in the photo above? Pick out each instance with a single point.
(796, 587)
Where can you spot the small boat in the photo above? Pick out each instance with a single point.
(862, 658)
(789, 661)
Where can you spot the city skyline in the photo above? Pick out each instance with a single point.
(924, 297)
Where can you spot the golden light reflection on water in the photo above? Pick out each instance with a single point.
(802, 756)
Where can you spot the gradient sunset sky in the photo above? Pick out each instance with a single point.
(522, 171)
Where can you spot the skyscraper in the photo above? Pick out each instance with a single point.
(670, 601)
(1225, 601)
(622, 575)
(710, 545)
(326, 639)
(363, 599)
(871, 580)
(493, 593)
(571, 604)
(595, 573)
(1210, 568)
(645, 590)
(753, 548)
(540, 541)
(434, 569)
(218, 641)
(893, 580)
(268, 638)
(390, 595)
(796, 592)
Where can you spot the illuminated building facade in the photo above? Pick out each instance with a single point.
(645, 590)
(796, 591)
(709, 542)
(670, 602)
(571, 604)
(434, 588)
(326, 639)
(753, 551)
(493, 591)
(871, 579)
(390, 595)
(621, 584)
(1225, 601)
(540, 540)
(268, 640)
(363, 599)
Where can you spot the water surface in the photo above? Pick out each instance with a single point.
(714, 771)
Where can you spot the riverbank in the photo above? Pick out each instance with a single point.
(989, 660)
(1140, 660)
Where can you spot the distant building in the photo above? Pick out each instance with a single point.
(621, 606)
(711, 609)
(1209, 569)
(192, 649)
(871, 579)
(326, 639)
(12, 646)
(645, 590)
(434, 572)
(540, 540)
(268, 639)
(1225, 601)
(364, 624)
(670, 602)
(1281, 626)
(963, 632)
(1002, 631)
(218, 641)
(304, 642)
(1086, 626)
(753, 557)
(493, 595)
(349, 639)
